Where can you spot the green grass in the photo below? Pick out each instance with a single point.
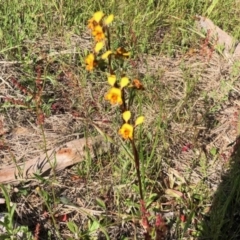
(180, 104)
(31, 20)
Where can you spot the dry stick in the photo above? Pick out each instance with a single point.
(66, 155)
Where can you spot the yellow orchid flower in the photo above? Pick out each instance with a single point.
(126, 116)
(126, 131)
(98, 46)
(97, 16)
(121, 52)
(90, 62)
(139, 120)
(106, 54)
(91, 24)
(98, 33)
(109, 19)
(124, 82)
(114, 96)
(112, 79)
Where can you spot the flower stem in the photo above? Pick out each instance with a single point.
(137, 166)
(109, 48)
(124, 106)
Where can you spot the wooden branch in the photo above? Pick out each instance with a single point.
(54, 160)
(231, 45)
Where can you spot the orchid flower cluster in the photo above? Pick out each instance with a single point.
(120, 93)
(99, 26)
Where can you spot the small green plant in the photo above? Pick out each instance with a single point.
(11, 229)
